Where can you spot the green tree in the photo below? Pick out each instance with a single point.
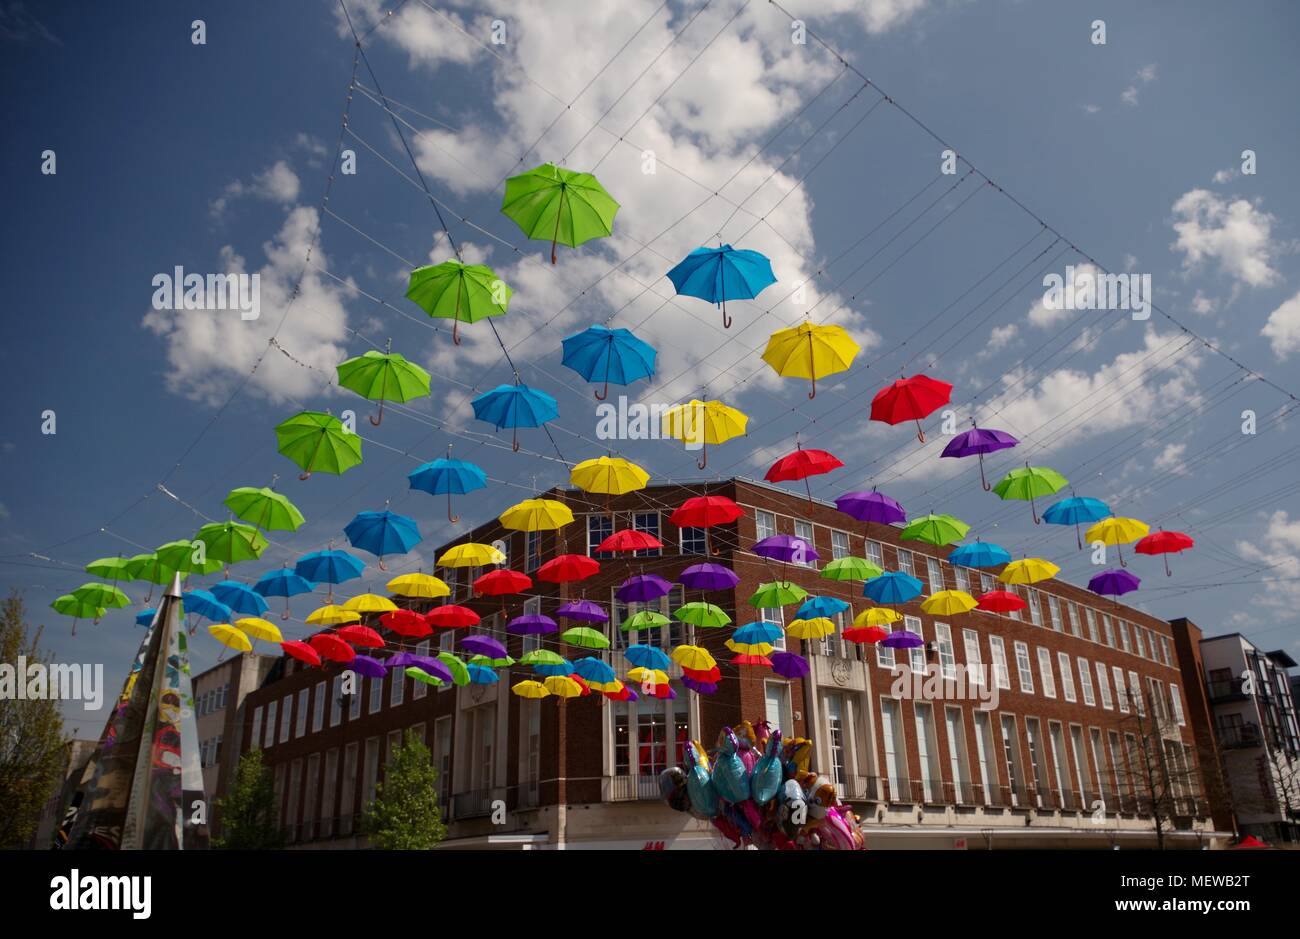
(248, 815)
(32, 749)
(404, 815)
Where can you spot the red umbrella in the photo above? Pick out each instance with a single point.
(451, 616)
(360, 635)
(705, 512)
(800, 465)
(866, 634)
(501, 582)
(568, 567)
(628, 540)
(582, 682)
(332, 647)
(1001, 601)
(301, 651)
(910, 399)
(406, 623)
(710, 675)
(1166, 543)
(743, 659)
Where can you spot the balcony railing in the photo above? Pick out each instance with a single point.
(633, 788)
(474, 803)
(1225, 689)
(1237, 736)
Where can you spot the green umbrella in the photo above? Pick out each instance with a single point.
(541, 657)
(776, 593)
(851, 568)
(491, 662)
(703, 614)
(148, 568)
(70, 605)
(114, 569)
(383, 376)
(420, 674)
(1029, 483)
(465, 293)
(318, 443)
(102, 595)
(935, 529)
(459, 673)
(645, 619)
(586, 637)
(231, 542)
(178, 556)
(265, 508)
(558, 205)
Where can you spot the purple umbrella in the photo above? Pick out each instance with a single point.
(431, 666)
(483, 645)
(708, 577)
(532, 624)
(976, 442)
(643, 588)
(584, 610)
(365, 665)
(902, 639)
(699, 687)
(789, 665)
(786, 548)
(871, 507)
(402, 660)
(1114, 583)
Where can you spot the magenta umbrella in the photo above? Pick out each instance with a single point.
(976, 442)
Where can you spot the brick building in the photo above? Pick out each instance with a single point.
(1088, 701)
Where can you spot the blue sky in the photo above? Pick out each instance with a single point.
(215, 157)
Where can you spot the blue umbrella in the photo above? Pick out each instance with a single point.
(753, 633)
(648, 657)
(382, 533)
(593, 669)
(452, 477)
(599, 353)
(203, 603)
(327, 567)
(481, 674)
(892, 587)
(515, 406)
(239, 597)
(283, 582)
(1076, 511)
(979, 554)
(560, 668)
(815, 607)
(145, 617)
(722, 274)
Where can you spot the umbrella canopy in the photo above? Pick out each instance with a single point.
(602, 354)
(721, 274)
(143, 618)
(463, 293)
(786, 548)
(821, 606)
(445, 476)
(432, 667)
(594, 670)
(695, 658)
(118, 568)
(814, 628)
(418, 586)
(651, 657)
(810, 351)
(800, 465)
(642, 588)
(705, 512)
(584, 611)
(1117, 532)
(789, 665)
(700, 423)
(910, 399)
(203, 603)
(948, 603)
(698, 686)
(107, 596)
(265, 508)
(459, 673)
(608, 475)
(708, 577)
(318, 443)
(330, 646)
(542, 657)
(1114, 583)
(704, 615)
(775, 593)
(976, 442)
(871, 507)
(1076, 511)
(481, 674)
(365, 665)
(934, 529)
(567, 568)
(865, 634)
(420, 675)
(877, 616)
(850, 568)
(149, 568)
(532, 624)
(550, 203)
(483, 645)
(359, 635)
(1029, 483)
(627, 539)
(1028, 571)
(184, 557)
(530, 689)
(499, 661)
(283, 582)
(406, 623)
(756, 633)
(902, 639)
(562, 686)
(536, 515)
(979, 554)
(1001, 601)
(451, 616)
(1164, 543)
(239, 597)
(383, 376)
(502, 582)
(585, 636)
(300, 651)
(332, 615)
(644, 619)
(329, 567)
(471, 554)
(382, 533)
(68, 605)
(892, 587)
(370, 603)
(257, 628)
(515, 406)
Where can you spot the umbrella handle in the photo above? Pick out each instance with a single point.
(700, 464)
(726, 320)
(376, 421)
(983, 481)
(455, 331)
(382, 565)
(304, 476)
(920, 432)
(602, 395)
(514, 440)
(1119, 549)
(1033, 510)
(451, 518)
(1078, 539)
(1168, 572)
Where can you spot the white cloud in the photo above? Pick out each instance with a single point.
(1091, 108)
(1283, 328)
(1203, 305)
(1236, 235)
(1278, 549)
(1000, 337)
(1144, 76)
(277, 183)
(1044, 316)
(1224, 176)
(1171, 458)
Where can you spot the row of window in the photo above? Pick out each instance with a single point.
(210, 751)
(211, 701)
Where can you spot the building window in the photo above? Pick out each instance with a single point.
(354, 699)
(1092, 624)
(962, 578)
(935, 571)
(1058, 763)
(916, 655)
(533, 641)
(599, 527)
(327, 793)
(958, 768)
(884, 656)
(1135, 689)
(1121, 693)
(970, 640)
(641, 740)
(1123, 635)
(1139, 641)
(1103, 686)
(272, 709)
(1011, 757)
(309, 800)
(318, 708)
(1176, 701)
(442, 757)
(397, 687)
(647, 522)
(1054, 612)
(987, 582)
(891, 726)
(694, 540)
(947, 658)
(257, 728)
(839, 544)
(1067, 676)
(803, 531)
(1035, 607)
(1164, 648)
(764, 524)
(1106, 628)
(998, 652)
(875, 553)
(1072, 613)
(905, 563)
(370, 775)
(376, 695)
(300, 724)
(1085, 683)
(1045, 672)
(1036, 762)
(777, 710)
(347, 807)
(286, 716)
(775, 616)
(1023, 669)
(533, 551)
(835, 735)
(926, 751)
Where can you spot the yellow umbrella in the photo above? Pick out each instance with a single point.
(641, 675)
(750, 648)
(530, 689)
(948, 603)
(608, 475)
(1028, 571)
(877, 616)
(696, 658)
(471, 554)
(1117, 531)
(229, 636)
(536, 515)
(701, 423)
(420, 586)
(370, 603)
(260, 629)
(810, 351)
(614, 685)
(561, 686)
(813, 628)
(332, 616)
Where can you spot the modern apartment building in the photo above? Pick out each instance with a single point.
(1087, 739)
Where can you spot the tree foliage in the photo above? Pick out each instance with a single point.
(404, 815)
(248, 815)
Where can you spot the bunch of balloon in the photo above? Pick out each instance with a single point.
(759, 790)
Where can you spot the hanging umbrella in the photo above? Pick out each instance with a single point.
(1114, 583)
(530, 689)
(651, 657)
(910, 399)
(705, 512)
(231, 542)
(501, 582)
(786, 549)
(700, 423)
(515, 406)
(230, 637)
(359, 635)
(601, 354)
(481, 674)
(594, 671)
(1001, 601)
(643, 588)
(203, 603)
(789, 665)
(451, 616)
(463, 293)
(239, 597)
(104, 595)
(433, 667)
(382, 533)
(365, 665)
(892, 587)
(144, 617)
(938, 530)
(694, 658)
(871, 507)
(447, 476)
(550, 203)
(406, 623)
(471, 554)
(810, 351)
(114, 569)
(186, 557)
(500, 661)
(422, 676)
(865, 634)
(318, 443)
(1076, 511)
(148, 568)
(704, 615)
(776, 593)
(563, 686)
(607, 475)
(584, 611)
(706, 577)
(459, 673)
(756, 633)
(329, 567)
(532, 624)
(1164, 543)
(567, 568)
(1029, 483)
(370, 603)
(257, 628)
(383, 376)
(283, 582)
(300, 651)
(721, 274)
(627, 539)
(483, 645)
(265, 508)
(877, 616)
(418, 586)
(815, 628)
(332, 616)
(821, 607)
(850, 568)
(585, 636)
(1028, 571)
(331, 647)
(699, 687)
(800, 465)
(537, 515)
(542, 657)
(69, 605)
(752, 658)
(644, 620)
(948, 603)
(1117, 531)
(902, 639)
(976, 442)
(979, 554)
